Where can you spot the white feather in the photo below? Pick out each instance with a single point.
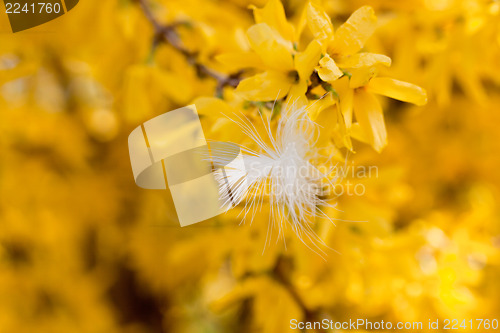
(281, 170)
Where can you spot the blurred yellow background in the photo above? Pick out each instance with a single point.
(83, 249)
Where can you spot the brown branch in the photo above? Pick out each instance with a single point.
(168, 35)
(281, 273)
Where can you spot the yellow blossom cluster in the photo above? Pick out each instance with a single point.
(83, 249)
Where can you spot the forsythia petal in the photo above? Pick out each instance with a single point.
(358, 133)
(345, 93)
(214, 107)
(261, 32)
(316, 107)
(267, 86)
(341, 135)
(371, 118)
(360, 77)
(297, 95)
(273, 14)
(343, 129)
(319, 23)
(270, 48)
(307, 60)
(353, 34)
(399, 90)
(328, 70)
(300, 25)
(363, 59)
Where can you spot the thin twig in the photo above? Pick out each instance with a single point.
(168, 35)
(281, 275)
